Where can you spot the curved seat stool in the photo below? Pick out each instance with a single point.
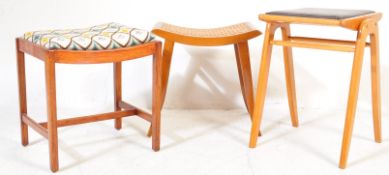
(108, 43)
(206, 37)
(237, 35)
(364, 23)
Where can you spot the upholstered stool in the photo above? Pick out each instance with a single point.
(364, 22)
(108, 43)
(237, 35)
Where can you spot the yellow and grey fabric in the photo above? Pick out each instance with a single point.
(100, 37)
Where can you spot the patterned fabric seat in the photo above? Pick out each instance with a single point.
(100, 37)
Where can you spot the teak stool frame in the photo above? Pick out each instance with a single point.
(122, 109)
(209, 37)
(366, 25)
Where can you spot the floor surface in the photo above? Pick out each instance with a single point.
(203, 142)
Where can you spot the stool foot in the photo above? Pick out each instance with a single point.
(118, 124)
(54, 168)
(24, 131)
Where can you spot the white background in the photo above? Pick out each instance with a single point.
(201, 78)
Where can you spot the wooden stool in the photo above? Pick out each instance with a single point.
(238, 35)
(108, 43)
(362, 21)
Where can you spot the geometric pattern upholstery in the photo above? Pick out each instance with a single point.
(100, 37)
(337, 14)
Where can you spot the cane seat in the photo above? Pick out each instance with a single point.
(206, 37)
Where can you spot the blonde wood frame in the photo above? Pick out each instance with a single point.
(242, 54)
(366, 25)
(122, 109)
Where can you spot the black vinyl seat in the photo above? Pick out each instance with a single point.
(337, 14)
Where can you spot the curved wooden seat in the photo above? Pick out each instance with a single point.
(206, 37)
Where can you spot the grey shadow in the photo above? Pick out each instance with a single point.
(219, 89)
(377, 153)
(80, 158)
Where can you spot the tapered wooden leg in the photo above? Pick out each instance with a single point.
(242, 56)
(51, 113)
(244, 69)
(157, 97)
(262, 83)
(289, 75)
(167, 58)
(117, 78)
(352, 101)
(375, 81)
(22, 93)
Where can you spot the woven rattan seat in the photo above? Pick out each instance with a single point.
(206, 37)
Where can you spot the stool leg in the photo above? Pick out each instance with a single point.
(167, 58)
(352, 100)
(117, 78)
(242, 55)
(22, 93)
(157, 97)
(244, 70)
(375, 78)
(289, 75)
(262, 83)
(149, 131)
(51, 113)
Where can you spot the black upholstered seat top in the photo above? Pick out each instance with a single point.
(336, 14)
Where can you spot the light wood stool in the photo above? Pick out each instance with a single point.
(237, 35)
(53, 47)
(363, 21)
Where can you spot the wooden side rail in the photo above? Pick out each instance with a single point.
(141, 113)
(317, 43)
(92, 118)
(42, 130)
(129, 110)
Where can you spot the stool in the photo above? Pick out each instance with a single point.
(238, 35)
(362, 21)
(108, 43)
